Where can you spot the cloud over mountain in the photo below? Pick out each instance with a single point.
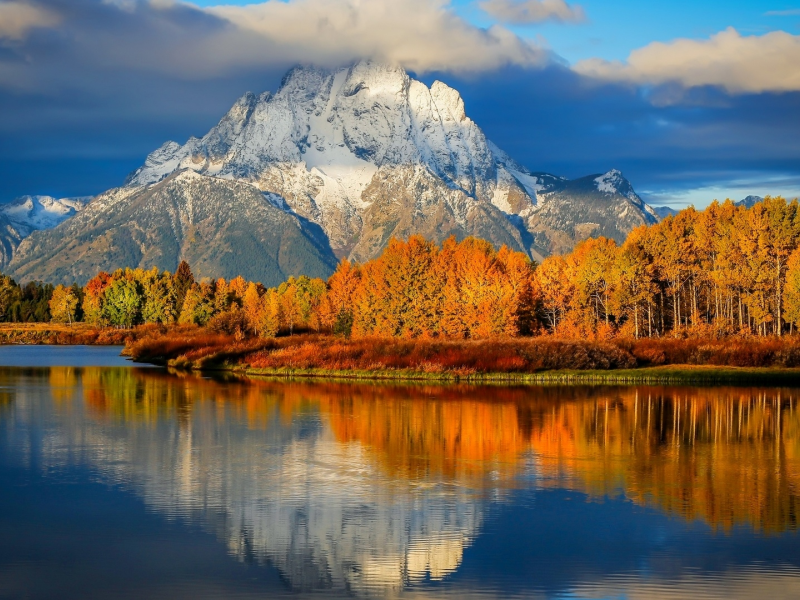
(421, 35)
(736, 63)
(83, 38)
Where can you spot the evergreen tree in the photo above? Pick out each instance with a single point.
(182, 281)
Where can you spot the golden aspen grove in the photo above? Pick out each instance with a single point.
(723, 273)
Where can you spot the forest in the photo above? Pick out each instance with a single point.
(723, 271)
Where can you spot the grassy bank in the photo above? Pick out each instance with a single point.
(672, 375)
(64, 335)
(542, 360)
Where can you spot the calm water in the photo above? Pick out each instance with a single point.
(125, 482)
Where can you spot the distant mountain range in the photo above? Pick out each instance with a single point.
(665, 211)
(332, 165)
(23, 216)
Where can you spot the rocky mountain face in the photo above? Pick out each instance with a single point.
(220, 227)
(572, 210)
(749, 201)
(364, 153)
(665, 211)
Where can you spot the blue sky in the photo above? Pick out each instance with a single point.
(89, 87)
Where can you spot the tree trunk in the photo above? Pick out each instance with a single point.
(779, 324)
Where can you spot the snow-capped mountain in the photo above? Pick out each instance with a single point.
(21, 217)
(220, 227)
(367, 153)
(597, 205)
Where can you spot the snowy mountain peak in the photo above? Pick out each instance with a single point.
(353, 156)
(611, 182)
(358, 118)
(35, 213)
(448, 101)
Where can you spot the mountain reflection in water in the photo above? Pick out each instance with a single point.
(371, 489)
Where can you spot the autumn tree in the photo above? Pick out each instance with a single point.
(253, 307)
(396, 296)
(336, 308)
(94, 296)
(555, 290)
(198, 306)
(182, 281)
(792, 289)
(63, 305)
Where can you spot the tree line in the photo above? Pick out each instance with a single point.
(726, 270)
(721, 271)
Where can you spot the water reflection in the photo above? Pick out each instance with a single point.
(374, 489)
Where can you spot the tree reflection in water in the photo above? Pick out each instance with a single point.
(362, 487)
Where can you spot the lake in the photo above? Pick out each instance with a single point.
(124, 482)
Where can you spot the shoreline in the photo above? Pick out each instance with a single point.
(539, 361)
(662, 375)
(62, 334)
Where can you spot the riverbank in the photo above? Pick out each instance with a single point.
(57, 334)
(539, 360)
(669, 375)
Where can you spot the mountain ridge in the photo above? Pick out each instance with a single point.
(367, 153)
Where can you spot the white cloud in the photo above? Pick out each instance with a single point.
(736, 63)
(421, 35)
(524, 12)
(17, 18)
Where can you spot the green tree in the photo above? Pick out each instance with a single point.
(9, 292)
(123, 302)
(160, 300)
(198, 307)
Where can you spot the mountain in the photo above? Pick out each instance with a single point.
(662, 212)
(18, 219)
(596, 205)
(365, 153)
(750, 201)
(665, 211)
(220, 227)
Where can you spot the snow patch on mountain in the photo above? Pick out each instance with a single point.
(609, 183)
(322, 137)
(357, 155)
(35, 213)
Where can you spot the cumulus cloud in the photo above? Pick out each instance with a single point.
(738, 64)
(422, 35)
(100, 39)
(18, 18)
(525, 12)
